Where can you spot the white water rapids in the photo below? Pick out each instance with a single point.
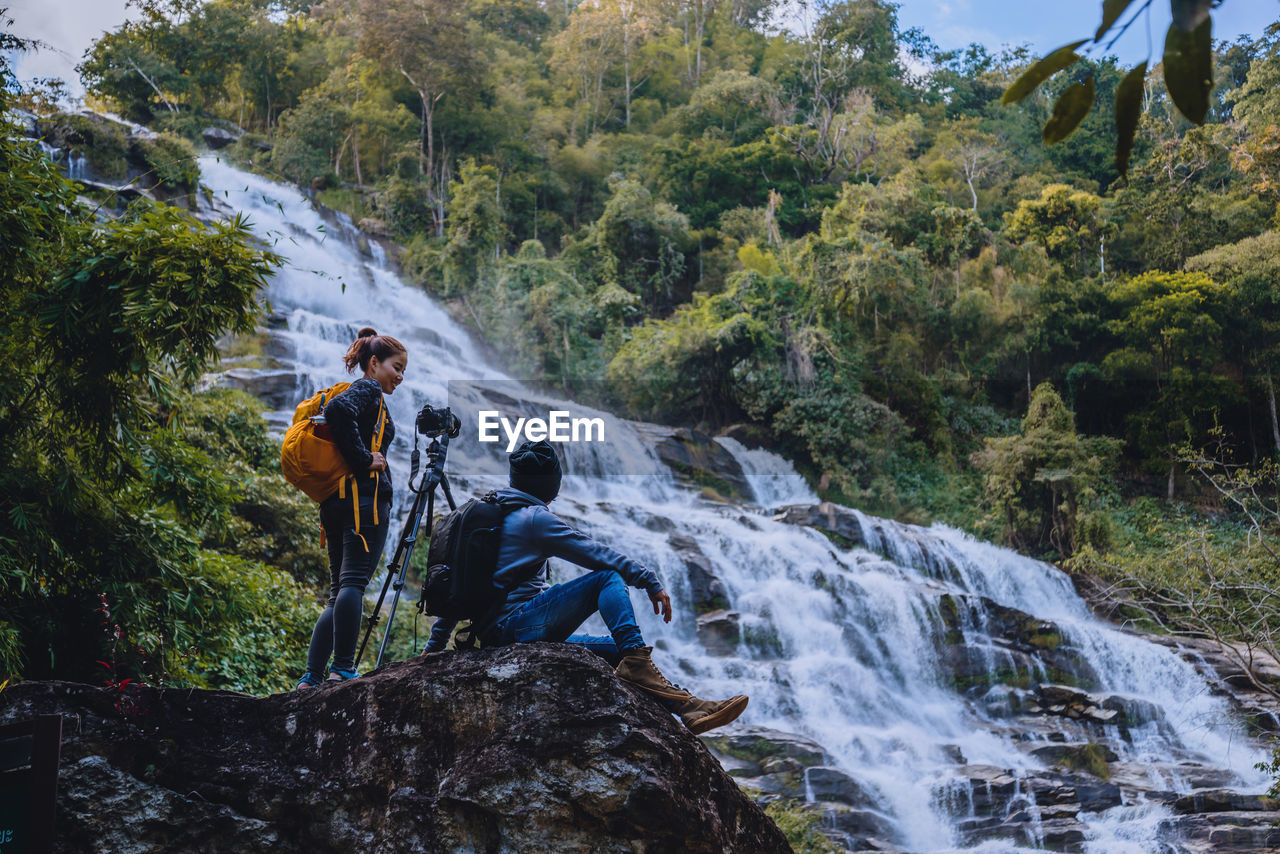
(839, 645)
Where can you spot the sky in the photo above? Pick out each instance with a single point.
(69, 26)
(1048, 24)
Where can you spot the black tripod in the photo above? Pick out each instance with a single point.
(424, 498)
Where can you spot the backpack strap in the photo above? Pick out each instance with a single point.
(377, 447)
(355, 485)
(480, 626)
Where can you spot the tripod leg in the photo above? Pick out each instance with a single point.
(448, 493)
(407, 544)
(373, 618)
(406, 541)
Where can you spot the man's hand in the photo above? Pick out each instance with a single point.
(379, 462)
(661, 604)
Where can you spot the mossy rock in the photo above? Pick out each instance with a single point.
(1089, 757)
(103, 143)
(169, 162)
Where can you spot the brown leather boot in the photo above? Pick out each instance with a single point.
(702, 715)
(637, 668)
(697, 714)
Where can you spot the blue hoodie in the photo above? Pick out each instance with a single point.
(531, 535)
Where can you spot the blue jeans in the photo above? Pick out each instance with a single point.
(554, 613)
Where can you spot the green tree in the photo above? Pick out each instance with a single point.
(1171, 330)
(639, 244)
(1070, 224)
(430, 45)
(475, 230)
(106, 501)
(1045, 483)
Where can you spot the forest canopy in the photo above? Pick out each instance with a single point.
(833, 234)
(833, 230)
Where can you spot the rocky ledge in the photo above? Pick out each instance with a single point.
(536, 747)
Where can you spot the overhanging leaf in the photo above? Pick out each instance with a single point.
(1128, 111)
(1111, 12)
(1188, 69)
(1069, 110)
(1189, 14)
(1041, 71)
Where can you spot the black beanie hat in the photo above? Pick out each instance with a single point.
(535, 469)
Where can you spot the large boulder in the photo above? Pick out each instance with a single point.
(701, 460)
(840, 524)
(534, 747)
(277, 388)
(216, 137)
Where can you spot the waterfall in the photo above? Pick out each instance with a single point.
(841, 643)
(77, 166)
(774, 481)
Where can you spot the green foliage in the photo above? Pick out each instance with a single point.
(308, 139)
(734, 223)
(171, 161)
(1067, 222)
(107, 497)
(800, 826)
(638, 243)
(685, 363)
(1187, 65)
(1045, 482)
(475, 227)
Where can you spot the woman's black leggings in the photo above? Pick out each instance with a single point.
(350, 568)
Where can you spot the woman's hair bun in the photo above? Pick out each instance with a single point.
(366, 332)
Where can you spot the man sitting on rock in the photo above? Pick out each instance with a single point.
(536, 611)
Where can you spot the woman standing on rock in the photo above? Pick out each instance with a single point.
(356, 418)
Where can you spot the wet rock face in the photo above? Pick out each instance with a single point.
(701, 460)
(983, 644)
(719, 632)
(838, 523)
(708, 590)
(276, 388)
(216, 137)
(527, 748)
(779, 765)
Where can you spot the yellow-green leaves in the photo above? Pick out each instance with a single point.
(1188, 74)
(1071, 108)
(1188, 68)
(1041, 71)
(1111, 12)
(1128, 111)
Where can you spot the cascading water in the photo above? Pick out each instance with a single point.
(77, 166)
(844, 645)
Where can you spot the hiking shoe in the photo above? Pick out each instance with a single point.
(341, 675)
(308, 680)
(702, 715)
(637, 668)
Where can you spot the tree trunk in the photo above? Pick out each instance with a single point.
(337, 161)
(1271, 407)
(422, 136)
(1172, 471)
(355, 156)
(156, 88)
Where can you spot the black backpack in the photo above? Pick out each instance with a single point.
(461, 560)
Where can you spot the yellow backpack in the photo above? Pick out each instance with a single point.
(311, 461)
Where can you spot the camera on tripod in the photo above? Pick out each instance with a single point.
(435, 422)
